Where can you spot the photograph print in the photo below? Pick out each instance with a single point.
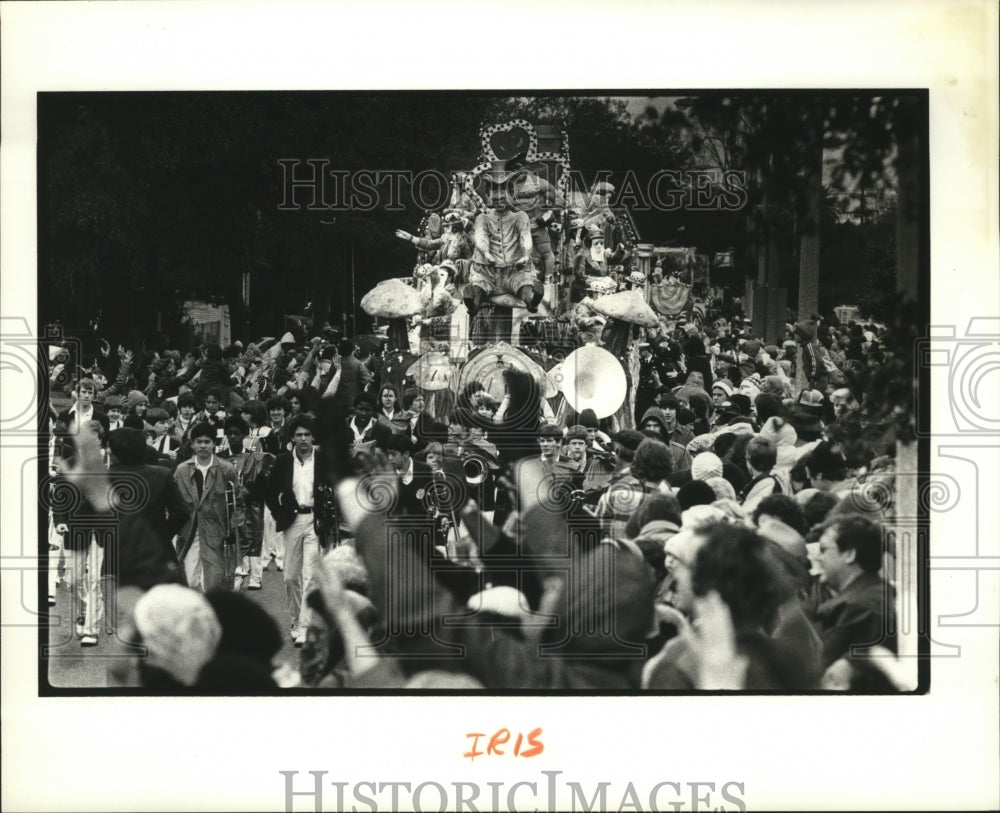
(562, 393)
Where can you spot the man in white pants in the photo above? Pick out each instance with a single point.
(294, 499)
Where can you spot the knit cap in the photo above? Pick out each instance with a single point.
(779, 432)
(706, 465)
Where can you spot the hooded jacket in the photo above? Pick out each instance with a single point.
(657, 414)
(676, 440)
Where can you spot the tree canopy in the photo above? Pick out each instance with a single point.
(148, 199)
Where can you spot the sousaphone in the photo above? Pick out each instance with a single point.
(592, 378)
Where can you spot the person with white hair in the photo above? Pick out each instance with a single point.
(180, 632)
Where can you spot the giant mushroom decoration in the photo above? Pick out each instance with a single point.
(626, 308)
(396, 301)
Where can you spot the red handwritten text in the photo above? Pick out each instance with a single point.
(524, 746)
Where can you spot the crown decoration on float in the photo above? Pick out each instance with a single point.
(516, 140)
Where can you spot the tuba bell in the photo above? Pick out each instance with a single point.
(592, 378)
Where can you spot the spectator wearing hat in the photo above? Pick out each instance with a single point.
(693, 388)
(686, 419)
(136, 403)
(806, 416)
(666, 415)
(722, 389)
(722, 487)
(675, 665)
(742, 404)
(706, 465)
(783, 435)
(861, 612)
(695, 492)
(664, 423)
(597, 441)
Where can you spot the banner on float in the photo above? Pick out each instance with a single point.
(669, 298)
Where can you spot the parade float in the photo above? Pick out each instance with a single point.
(522, 270)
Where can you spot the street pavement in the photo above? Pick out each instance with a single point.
(72, 666)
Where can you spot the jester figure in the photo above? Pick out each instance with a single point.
(502, 248)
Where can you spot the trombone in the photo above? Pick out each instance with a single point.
(446, 518)
(477, 466)
(231, 541)
(328, 520)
